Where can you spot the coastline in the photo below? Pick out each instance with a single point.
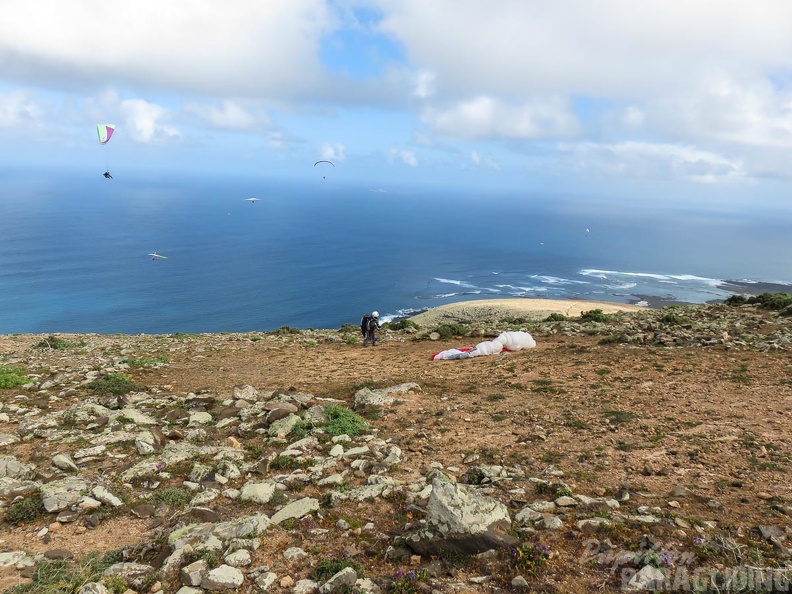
(489, 309)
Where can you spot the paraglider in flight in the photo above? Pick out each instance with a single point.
(156, 256)
(323, 161)
(252, 200)
(105, 132)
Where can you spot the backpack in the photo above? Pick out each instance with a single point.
(364, 323)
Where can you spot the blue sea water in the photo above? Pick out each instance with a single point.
(318, 253)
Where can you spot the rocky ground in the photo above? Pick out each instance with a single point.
(648, 445)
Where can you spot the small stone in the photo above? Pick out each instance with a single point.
(286, 581)
(520, 583)
(144, 510)
(58, 554)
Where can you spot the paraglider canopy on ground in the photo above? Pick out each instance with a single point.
(506, 341)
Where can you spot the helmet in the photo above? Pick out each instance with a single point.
(374, 314)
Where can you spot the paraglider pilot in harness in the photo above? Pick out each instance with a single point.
(368, 327)
(107, 175)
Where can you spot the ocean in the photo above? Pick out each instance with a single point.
(318, 253)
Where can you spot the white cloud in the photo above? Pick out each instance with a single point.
(668, 74)
(332, 152)
(247, 47)
(228, 115)
(424, 84)
(606, 48)
(18, 108)
(144, 120)
(727, 111)
(714, 70)
(655, 160)
(633, 117)
(406, 156)
(488, 117)
(483, 160)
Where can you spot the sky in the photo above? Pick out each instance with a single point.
(684, 98)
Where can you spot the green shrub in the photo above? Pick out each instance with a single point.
(736, 300)
(342, 421)
(516, 321)
(674, 319)
(776, 301)
(54, 342)
(299, 430)
(474, 476)
(349, 328)
(451, 330)
(329, 567)
(619, 416)
(284, 330)
(173, 497)
(530, 558)
(594, 315)
(767, 300)
(11, 377)
(402, 325)
(25, 510)
(284, 462)
(494, 397)
(556, 317)
(112, 383)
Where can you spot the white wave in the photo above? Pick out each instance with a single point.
(555, 280)
(457, 294)
(522, 289)
(451, 281)
(665, 278)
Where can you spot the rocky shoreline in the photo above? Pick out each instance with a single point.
(147, 463)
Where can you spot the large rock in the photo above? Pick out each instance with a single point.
(296, 510)
(134, 573)
(257, 492)
(10, 488)
(384, 396)
(341, 582)
(62, 494)
(12, 468)
(459, 520)
(224, 577)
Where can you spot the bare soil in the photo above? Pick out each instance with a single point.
(608, 416)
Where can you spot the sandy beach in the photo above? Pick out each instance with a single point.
(486, 309)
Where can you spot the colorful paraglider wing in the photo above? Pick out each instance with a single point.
(105, 131)
(448, 354)
(506, 341)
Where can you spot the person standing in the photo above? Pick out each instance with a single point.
(371, 329)
(364, 325)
